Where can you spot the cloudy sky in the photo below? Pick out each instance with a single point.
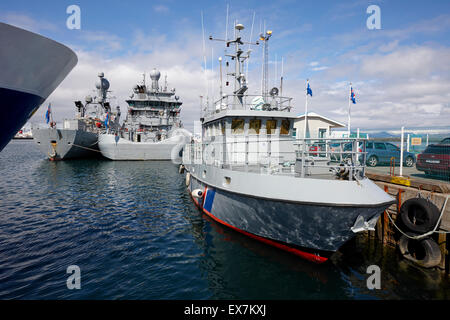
(400, 73)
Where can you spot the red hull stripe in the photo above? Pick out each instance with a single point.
(304, 255)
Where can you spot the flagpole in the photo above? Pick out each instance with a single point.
(306, 108)
(349, 104)
(51, 115)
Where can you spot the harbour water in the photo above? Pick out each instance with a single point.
(135, 234)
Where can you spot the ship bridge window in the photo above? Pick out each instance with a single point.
(237, 126)
(285, 126)
(254, 126)
(216, 129)
(271, 126)
(222, 127)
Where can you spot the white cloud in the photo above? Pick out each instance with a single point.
(407, 62)
(319, 68)
(101, 40)
(395, 85)
(182, 66)
(26, 22)
(161, 8)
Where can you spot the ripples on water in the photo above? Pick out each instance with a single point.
(135, 234)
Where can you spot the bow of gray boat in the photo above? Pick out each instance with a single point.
(249, 173)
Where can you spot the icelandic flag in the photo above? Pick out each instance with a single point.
(308, 90)
(47, 114)
(106, 120)
(352, 95)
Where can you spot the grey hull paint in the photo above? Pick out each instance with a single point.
(115, 148)
(39, 65)
(312, 227)
(70, 143)
(31, 67)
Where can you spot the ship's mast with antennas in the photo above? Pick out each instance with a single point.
(265, 87)
(240, 83)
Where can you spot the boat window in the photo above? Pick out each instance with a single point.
(285, 126)
(237, 126)
(222, 127)
(210, 130)
(254, 126)
(216, 129)
(271, 125)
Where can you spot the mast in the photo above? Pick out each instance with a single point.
(240, 83)
(265, 87)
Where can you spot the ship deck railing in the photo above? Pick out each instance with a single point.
(324, 158)
(249, 102)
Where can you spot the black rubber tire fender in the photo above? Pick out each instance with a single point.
(423, 252)
(419, 215)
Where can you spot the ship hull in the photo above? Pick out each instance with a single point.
(32, 66)
(19, 106)
(63, 144)
(313, 231)
(115, 148)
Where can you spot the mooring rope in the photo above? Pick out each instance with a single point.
(76, 145)
(427, 233)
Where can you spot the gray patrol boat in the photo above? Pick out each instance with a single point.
(78, 137)
(249, 173)
(152, 129)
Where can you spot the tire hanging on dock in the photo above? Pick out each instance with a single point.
(424, 252)
(419, 215)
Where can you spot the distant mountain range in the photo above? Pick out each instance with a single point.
(434, 134)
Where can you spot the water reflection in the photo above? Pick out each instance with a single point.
(135, 233)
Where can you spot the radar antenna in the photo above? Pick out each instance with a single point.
(240, 84)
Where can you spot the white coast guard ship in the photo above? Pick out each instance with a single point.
(152, 129)
(248, 173)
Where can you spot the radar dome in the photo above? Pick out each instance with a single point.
(102, 84)
(155, 74)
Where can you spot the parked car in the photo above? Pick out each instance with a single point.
(435, 159)
(379, 152)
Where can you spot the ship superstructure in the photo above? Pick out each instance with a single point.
(152, 129)
(78, 138)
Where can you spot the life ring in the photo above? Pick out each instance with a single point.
(419, 215)
(188, 179)
(424, 252)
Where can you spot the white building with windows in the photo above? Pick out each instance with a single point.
(317, 126)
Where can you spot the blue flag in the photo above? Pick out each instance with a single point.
(47, 114)
(106, 120)
(308, 90)
(352, 95)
